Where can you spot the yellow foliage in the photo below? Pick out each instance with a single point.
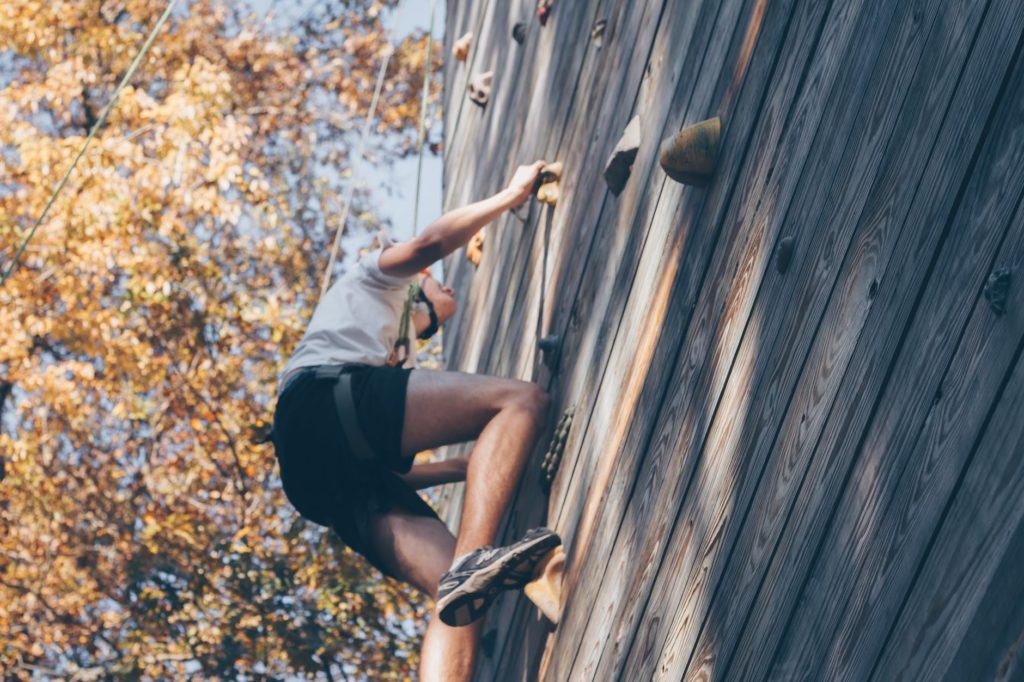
(144, 330)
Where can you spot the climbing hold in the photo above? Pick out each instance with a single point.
(550, 346)
(553, 457)
(784, 254)
(548, 193)
(544, 10)
(549, 190)
(997, 290)
(475, 248)
(691, 156)
(480, 88)
(545, 590)
(597, 32)
(519, 32)
(620, 163)
(461, 48)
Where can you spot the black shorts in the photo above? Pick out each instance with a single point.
(320, 475)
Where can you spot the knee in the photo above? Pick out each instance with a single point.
(533, 399)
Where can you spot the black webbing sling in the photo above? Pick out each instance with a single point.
(346, 407)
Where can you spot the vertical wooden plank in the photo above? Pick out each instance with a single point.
(818, 448)
(751, 393)
(889, 200)
(963, 557)
(993, 642)
(914, 451)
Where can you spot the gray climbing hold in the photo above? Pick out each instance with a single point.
(519, 33)
(550, 347)
(784, 254)
(597, 32)
(620, 163)
(997, 290)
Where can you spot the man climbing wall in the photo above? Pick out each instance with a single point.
(350, 419)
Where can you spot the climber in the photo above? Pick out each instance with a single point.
(348, 424)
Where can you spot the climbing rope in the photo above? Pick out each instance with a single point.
(88, 140)
(347, 205)
(401, 350)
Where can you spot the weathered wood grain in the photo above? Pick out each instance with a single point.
(751, 386)
(730, 480)
(993, 642)
(974, 536)
(913, 452)
(865, 378)
(889, 199)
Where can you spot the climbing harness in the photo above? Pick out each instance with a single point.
(88, 140)
(345, 406)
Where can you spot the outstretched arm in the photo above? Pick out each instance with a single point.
(455, 228)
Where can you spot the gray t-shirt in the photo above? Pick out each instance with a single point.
(356, 322)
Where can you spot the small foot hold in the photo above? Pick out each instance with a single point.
(545, 590)
(784, 254)
(550, 347)
(475, 249)
(461, 48)
(691, 156)
(519, 33)
(544, 10)
(480, 88)
(549, 190)
(620, 163)
(997, 290)
(597, 32)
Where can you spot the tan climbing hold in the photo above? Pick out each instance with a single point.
(475, 249)
(461, 48)
(549, 190)
(545, 590)
(691, 156)
(548, 193)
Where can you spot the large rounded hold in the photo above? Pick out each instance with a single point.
(691, 156)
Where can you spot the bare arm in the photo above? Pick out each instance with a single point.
(436, 473)
(455, 228)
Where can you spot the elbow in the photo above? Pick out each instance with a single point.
(429, 249)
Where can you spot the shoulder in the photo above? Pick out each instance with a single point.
(368, 269)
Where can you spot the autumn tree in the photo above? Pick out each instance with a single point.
(142, 532)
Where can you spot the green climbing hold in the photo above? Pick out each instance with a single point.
(553, 457)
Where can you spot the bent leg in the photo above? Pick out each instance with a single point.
(418, 550)
(505, 417)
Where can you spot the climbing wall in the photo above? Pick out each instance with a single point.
(798, 443)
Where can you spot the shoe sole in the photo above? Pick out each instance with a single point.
(470, 601)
